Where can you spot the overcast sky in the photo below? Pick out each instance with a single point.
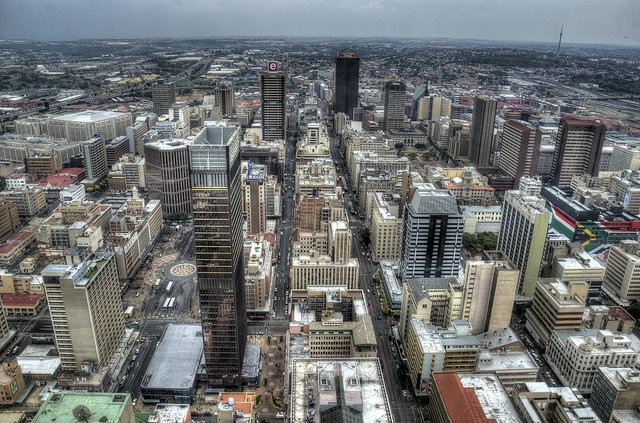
(585, 21)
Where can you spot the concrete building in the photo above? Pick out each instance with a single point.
(95, 158)
(217, 213)
(83, 125)
(578, 148)
(9, 219)
(395, 96)
(30, 201)
(386, 227)
(432, 235)
(332, 336)
(435, 300)
(86, 311)
(131, 169)
(625, 157)
(71, 407)
(523, 232)
(254, 196)
(16, 247)
(469, 398)
(172, 373)
(180, 118)
(478, 219)
(615, 389)
(469, 186)
(116, 148)
(136, 132)
(167, 174)
(519, 149)
(225, 99)
(556, 305)
(11, 382)
(163, 95)
(581, 267)
(274, 116)
(315, 176)
(346, 82)
(537, 402)
(43, 165)
(484, 115)
(320, 270)
(258, 272)
(622, 275)
(575, 355)
(489, 291)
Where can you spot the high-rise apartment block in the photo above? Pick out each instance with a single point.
(578, 148)
(519, 149)
(556, 305)
(346, 82)
(163, 95)
(86, 310)
(274, 115)
(217, 219)
(622, 274)
(167, 174)
(522, 236)
(432, 235)
(225, 99)
(395, 96)
(489, 290)
(484, 115)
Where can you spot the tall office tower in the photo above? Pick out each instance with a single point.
(395, 95)
(255, 198)
(95, 157)
(341, 241)
(167, 174)
(86, 310)
(523, 233)
(163, 95)
(217, 220)
(489, 290)
(622, 276)
(346, 82)
(556, 305)
(616, 390)
(578, 148)
(180, 118)
(225, 99)
(440, 107)
(432, 235)
(274, 116)
(484, 116)
(519, 150)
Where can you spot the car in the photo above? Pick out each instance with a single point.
(135, 356)
(138, 350)
(134, 402)
(404, 393)
(379, 317)
(260, 333)
(280, 415)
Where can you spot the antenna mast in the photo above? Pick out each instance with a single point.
(559, 41)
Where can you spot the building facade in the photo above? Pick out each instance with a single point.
(167, 174)
(274, 114)
(484, 115)
(346, 82)
(519, 149)
(163, 95)
(395, 95)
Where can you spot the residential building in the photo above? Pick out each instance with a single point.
(575, 355)
(217, 218)
(556, 305)
(622, 274)
(578, 148)
(519, 149)
(274, 116)
(615, 389)
(395, 96)
(484, 115)
(346, 82)
(386, 227)
(167, 174)
(489, 291)
(95, 158)
(163, 95)
(86, 311)
(522, 236)
(432, 235)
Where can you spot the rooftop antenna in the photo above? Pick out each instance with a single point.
(559, 41)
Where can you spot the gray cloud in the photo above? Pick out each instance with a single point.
(588, 21)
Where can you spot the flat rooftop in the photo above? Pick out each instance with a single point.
(176, 360)
(89, 116)
(100, 407)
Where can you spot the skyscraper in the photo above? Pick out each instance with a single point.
(274, 117)
(255, 198)
(346, 82)
(523, 232)
(225, 99)
(86, 310)
(95, 157)
(520, 149)
(484, 116)
(217, 219)
(167, 174)
(163, 95)
(578, 148)
(395, 95)
(432, 235)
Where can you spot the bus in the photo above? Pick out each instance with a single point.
(166, 304)
(169, 286)
(172, 303)
(157, 283)
(129, 312)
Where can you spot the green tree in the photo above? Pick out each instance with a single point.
(469, 240)
(420, 146)
(412, 155)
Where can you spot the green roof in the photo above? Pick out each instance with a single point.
(85, 407)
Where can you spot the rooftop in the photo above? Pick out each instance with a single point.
(88, 116)
(94, 407)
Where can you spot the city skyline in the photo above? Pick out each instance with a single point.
(588, 21)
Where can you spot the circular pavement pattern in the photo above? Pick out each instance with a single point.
(184, 269)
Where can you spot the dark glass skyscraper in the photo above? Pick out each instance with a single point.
(274, 116)
(395, 95)
(484, 116)
(346, 82)
(217, 219)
